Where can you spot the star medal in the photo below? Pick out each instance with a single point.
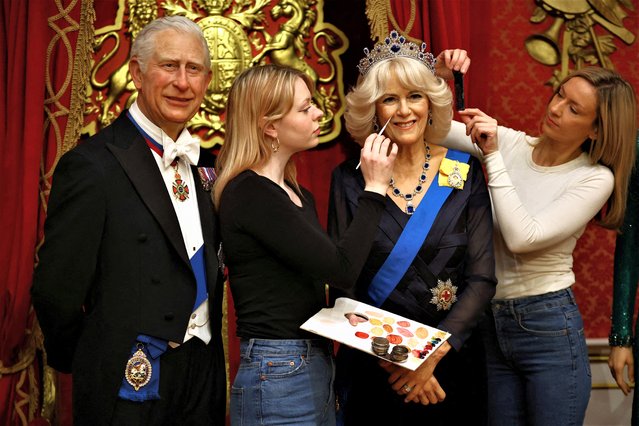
(138, 369)
(444, 295)
(180, 188)
(455, 178)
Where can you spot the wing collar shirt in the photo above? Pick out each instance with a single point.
(187, 211)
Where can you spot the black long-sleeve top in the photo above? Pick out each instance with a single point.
(279, 257)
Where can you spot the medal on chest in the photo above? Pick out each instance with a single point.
(180, 188)
(452, 173)
(455, 178)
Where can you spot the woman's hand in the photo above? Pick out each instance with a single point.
(481, 128)
(377, 162)
(417, 385)
(619, 358)
(431, 393)
(451, 60)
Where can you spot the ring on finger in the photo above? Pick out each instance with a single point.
(407, 388)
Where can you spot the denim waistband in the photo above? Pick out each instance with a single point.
(250, 347)
(534, 303)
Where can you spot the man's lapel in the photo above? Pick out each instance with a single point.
(209, 231)
(135, 157)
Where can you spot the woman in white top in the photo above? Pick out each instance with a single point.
(544, 191)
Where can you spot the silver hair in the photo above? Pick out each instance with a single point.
(144, 44)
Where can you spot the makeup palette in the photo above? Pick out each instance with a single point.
(378, 332)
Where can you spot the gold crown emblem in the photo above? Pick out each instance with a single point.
(395, 46)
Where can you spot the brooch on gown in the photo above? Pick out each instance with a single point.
(452, 173)
(444, 295)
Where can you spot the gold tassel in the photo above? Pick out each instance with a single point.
(81, 72)
(381, 20)
(26, 374)
(377, 12)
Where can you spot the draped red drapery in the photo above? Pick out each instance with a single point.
(37, 41)
(21, 120)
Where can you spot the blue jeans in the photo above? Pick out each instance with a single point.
(284, 382)
(537, 361)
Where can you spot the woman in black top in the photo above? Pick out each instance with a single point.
(278, 255)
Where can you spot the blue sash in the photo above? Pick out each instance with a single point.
(412, 238)
(154, 347)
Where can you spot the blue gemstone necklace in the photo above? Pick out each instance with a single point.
(410, 208)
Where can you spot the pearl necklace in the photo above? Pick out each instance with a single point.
(410, 209)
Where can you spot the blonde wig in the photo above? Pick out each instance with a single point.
(259, 96)
(413, 76)
(616, 125)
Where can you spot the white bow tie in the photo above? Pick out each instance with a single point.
(186, 147)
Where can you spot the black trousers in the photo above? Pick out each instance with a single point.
(366, 398)
(192, 390)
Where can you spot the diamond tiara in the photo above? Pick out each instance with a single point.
(395, 46)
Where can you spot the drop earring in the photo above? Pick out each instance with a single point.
(274, 147)
(430, 118)
(375, 125)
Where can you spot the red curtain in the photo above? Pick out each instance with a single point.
(22, 77)
(36, 56)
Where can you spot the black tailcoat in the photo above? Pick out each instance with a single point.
(114, 265)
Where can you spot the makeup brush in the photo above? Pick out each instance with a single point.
(378, 134)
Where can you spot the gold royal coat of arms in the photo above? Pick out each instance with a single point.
(240, 34)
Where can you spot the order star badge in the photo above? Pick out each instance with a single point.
(444, 295)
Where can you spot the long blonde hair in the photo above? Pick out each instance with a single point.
(412, 75)
(258, 97)
(616, 125)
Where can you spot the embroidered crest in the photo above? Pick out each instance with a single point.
(138, 369)
(444, 295)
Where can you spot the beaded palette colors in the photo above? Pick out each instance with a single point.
(379, 332)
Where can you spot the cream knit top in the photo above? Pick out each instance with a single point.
(539, 212)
